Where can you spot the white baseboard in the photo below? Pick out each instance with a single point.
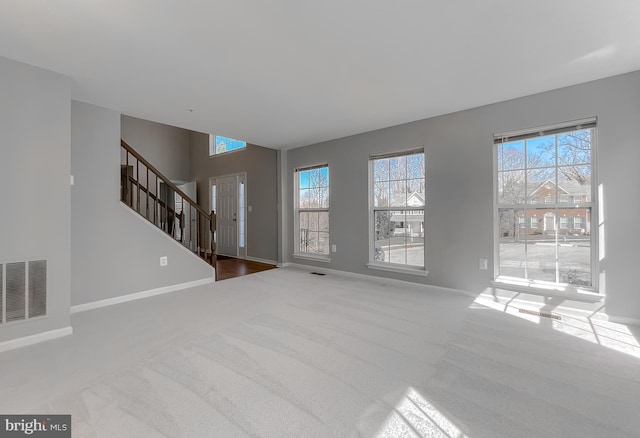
(35, 339)
(256, 259)
(377, 278)
(284, 265)
(138, 295)
(624, 320)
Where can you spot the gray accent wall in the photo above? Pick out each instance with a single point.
(283, 206)
(459, 160)
(114, 251)
(260, 165)
(34, 177)
(165, 147)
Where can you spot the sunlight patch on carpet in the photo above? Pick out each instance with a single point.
(608, 334)
(414, 416)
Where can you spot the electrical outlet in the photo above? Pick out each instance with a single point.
(164, 261)
(482, 264)
(333, 248)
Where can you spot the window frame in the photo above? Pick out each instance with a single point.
(213, 145)
(523, 284)
(562, 226)
(533, 222)
(297, 252)
(407, 210)
(579, 219)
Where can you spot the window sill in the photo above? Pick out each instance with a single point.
(313, 257)
(227, 152)
(399, 269)
(547, 289)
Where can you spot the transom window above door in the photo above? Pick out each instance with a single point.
(220, 145)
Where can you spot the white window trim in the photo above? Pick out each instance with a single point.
(564, 219)
(401, 269)
(296, 217)
(541, 287)
(392, 267)
(310, 256)
(533, 222)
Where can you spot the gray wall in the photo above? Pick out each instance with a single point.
(459, 160)
(165, 147)
(283, 206)
(260, 164)
(113, 251)
(34, 176)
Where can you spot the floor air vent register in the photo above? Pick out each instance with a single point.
(541, 314)
(23, 290)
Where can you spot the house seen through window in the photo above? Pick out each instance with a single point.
(545, 181)
(397, 190)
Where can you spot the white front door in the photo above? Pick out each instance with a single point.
(227, 212)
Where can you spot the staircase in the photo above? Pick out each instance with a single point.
(152, 195)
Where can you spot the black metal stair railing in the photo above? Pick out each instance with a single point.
(152, 195)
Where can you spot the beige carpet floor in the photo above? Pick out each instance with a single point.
(283, 353)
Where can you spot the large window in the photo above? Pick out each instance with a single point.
(220, 145)
(553, 164)
(397, 191)
(312, 210)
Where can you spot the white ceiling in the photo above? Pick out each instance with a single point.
(287, 73)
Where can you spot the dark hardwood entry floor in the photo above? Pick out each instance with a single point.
(229, 267)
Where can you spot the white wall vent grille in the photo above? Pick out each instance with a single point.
(23, 287)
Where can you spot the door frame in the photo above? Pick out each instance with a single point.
(241, 177)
